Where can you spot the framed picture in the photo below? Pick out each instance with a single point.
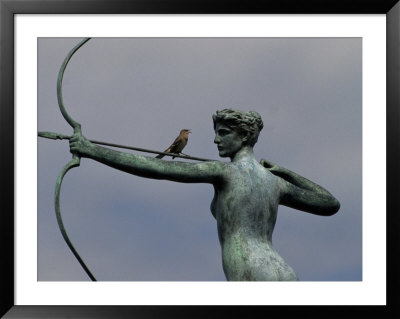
(128, 114)
(202, 61)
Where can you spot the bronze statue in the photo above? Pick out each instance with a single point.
(247, 193)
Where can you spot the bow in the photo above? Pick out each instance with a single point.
(75, 158)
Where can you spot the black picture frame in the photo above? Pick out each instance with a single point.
(8, 10)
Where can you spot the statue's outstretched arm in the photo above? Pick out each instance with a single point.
(300, 193)
(204, 172)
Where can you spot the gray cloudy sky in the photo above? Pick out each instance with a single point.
(141, 92)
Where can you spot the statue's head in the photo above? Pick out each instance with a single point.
(247, 124)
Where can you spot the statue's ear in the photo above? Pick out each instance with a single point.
(245, 136)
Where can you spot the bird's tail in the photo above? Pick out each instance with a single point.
(160, 156)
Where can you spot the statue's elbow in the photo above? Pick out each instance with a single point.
(334, 208)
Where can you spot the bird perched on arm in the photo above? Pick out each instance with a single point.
(178, 145)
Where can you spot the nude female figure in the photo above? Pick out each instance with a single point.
(247, 193)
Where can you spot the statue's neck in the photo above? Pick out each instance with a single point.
(246, 152)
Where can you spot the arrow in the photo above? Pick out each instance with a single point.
(59, 136)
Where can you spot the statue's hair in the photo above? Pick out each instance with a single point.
(241, 122)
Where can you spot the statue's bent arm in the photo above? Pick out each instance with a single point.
(300, 193)
(303, 194)
(309, 201)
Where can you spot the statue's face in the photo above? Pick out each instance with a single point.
(228, 141)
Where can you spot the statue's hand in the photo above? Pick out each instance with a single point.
(79, 145)
(272, 167)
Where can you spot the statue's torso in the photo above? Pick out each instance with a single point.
(245, 207)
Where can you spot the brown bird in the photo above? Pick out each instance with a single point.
(178, 145)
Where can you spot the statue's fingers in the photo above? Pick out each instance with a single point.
(266, 164)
